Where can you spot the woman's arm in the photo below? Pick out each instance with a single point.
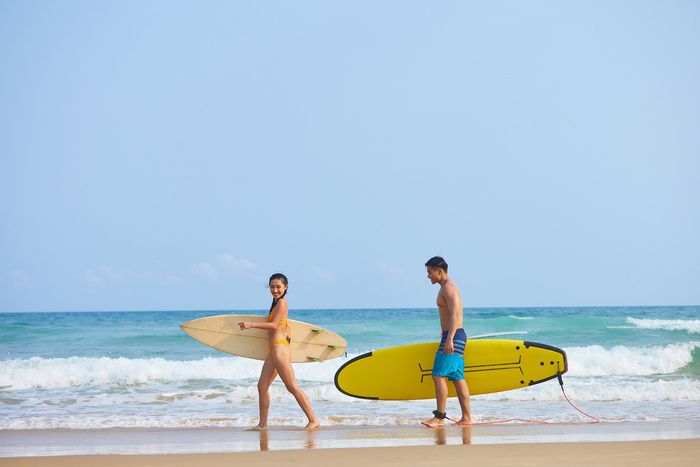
(279, 313)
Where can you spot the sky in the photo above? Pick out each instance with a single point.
(172, 155)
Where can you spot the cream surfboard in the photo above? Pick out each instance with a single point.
(490, 365)
(309, 343)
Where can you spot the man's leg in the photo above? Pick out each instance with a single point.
(463, 396)
(441, 398)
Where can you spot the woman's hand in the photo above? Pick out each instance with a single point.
(245, 325)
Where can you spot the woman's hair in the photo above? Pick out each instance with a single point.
(283, 278)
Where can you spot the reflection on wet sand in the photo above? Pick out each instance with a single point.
(264, 440)
(311, 442)
(310, 439)
(278, 439)
(441, 435)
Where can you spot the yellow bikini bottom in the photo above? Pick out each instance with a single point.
(283, 341)
(282, 322)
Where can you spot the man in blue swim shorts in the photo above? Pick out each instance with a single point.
(449, 359)
(451, 365)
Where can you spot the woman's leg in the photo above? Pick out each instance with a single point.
(282, 357)
(267, 376)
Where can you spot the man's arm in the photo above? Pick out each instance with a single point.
(452, 299)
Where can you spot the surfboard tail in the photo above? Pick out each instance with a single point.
(559, 372)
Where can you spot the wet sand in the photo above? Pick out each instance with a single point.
(611, 444)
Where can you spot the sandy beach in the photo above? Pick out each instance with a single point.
(561, 444)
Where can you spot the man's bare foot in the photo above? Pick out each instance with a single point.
(259, 427)
(313, 424)
(433, 422)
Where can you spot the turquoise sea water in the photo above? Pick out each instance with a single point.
(138, 369)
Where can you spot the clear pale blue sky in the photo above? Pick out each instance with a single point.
(168, 155)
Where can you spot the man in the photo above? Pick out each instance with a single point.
(449, 359)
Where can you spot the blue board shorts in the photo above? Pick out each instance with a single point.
(451, 365)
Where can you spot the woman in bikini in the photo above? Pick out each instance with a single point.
(279, 362)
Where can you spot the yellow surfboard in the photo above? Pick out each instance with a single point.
(490, 365)
(309, 343)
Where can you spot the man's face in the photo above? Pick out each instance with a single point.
(434, 274)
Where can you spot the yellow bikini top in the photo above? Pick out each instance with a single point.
(270, 318)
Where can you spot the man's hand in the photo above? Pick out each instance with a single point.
(449, 347)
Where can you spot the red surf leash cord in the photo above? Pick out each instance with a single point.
(561, 383)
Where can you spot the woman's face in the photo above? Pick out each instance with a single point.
(277, 288)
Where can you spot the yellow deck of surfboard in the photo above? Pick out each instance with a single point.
(491, 365)
(309, 343)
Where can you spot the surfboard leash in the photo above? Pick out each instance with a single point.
(561, 383)
(497, 421)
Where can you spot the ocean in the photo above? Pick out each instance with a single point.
(99, 370)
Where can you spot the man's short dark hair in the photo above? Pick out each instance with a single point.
(436, 262)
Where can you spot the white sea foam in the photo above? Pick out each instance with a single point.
(608, 399)
(77, 372)
(56, 373)
(621, 360)
(691, 326)
(606, 389)
(80, 393)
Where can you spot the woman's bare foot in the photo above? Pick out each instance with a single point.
(464, 421)
(315, 423)
(433, 422)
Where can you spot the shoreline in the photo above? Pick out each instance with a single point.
(25, 444)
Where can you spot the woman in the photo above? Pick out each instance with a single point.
(279, 362)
